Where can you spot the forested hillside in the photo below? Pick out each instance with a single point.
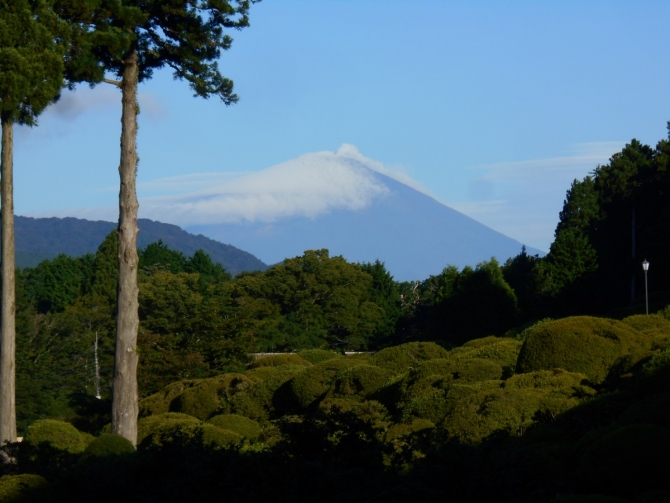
(537, 380)
(45, 238)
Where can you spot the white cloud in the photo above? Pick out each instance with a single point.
(308, 186)
(523, 198)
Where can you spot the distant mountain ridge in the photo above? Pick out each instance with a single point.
(38, 239)
(412, 233)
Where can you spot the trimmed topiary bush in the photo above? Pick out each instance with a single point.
(277, 360)
(147, 425)
(241, 425)
(399, 359)
(109, 444)
(159, 403)
(503, 352)
(644, 323)
(315, 356)
(179, 431)
(628, 462)
(578, 344)
(311, 386)
(210, 396)
(57, 434)
(471, 412)
(360, 381)
(16, 488)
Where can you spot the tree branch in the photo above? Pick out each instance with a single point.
(113, 82)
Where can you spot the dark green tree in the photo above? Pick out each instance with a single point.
(385, 292)
(473, 303)
(55, 284)
(33, 41)
(158, 256)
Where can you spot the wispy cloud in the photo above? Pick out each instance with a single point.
(307, 186)
(523, 198)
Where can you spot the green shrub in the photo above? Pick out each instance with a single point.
(578, 344)
(471, 412)
(629, 461)
(504, 352)
(311, 386)
(644, 323)
(57, 434)
(434, 405)
(360, 381)
(399, 359)
(403, 429)
(241, 425)
(315, 356)
(209, 396)
(147, 425)
(16, 488)
(109, 444)
(171, 431)
(159, 403)
(550, 380)
(277, 360)
(656, 327)
(258, 402)
(480, 343)
(439, 373)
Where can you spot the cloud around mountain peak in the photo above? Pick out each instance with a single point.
(307, 186)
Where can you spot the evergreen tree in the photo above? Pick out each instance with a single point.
(386, 294)
(188, 37)
(32, 46)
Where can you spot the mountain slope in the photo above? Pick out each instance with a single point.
(414, 234)
(41, 238)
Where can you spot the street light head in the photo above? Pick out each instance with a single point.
(645, 265)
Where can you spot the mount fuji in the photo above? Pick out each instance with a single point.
(341, 201)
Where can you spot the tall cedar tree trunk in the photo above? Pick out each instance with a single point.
(8, 335)
(125, 394)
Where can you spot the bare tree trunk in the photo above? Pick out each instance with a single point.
(125, 395)
(8, 325)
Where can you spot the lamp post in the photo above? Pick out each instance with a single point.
(645, 266)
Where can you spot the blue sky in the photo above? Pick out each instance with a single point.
(493, 107)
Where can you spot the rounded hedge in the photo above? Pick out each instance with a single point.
(109, 444)
(315, 356)
(210, 396)
(311, 386)
(503, 351)
(437, 374)
(259, 402)
(360, 381)
(57, 434)
(629, 461)
(580, 344)
(14, 488)
(177, 431)
(241, 425)
(645, 322)
(399, 359)
(159, 403)
(277, 360)
(147, 425)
